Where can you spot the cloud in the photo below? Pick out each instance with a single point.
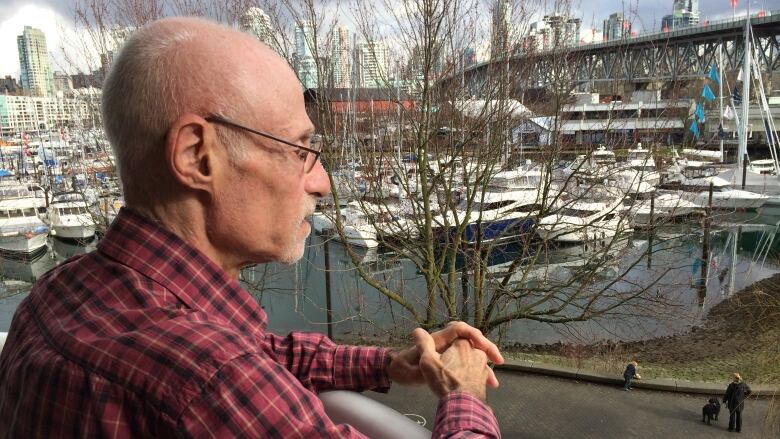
(40, 17)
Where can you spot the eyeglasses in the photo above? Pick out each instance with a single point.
(308, 155)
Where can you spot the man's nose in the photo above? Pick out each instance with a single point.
(317, 182)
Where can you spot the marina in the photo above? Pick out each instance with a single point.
(743, 249)
(536, 202)
(220, 220)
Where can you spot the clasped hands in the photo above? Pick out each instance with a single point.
(453, 359)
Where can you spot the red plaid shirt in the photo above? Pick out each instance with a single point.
(146, 337)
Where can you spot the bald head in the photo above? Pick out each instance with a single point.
(176, 66)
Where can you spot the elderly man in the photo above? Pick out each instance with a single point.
(151, 335)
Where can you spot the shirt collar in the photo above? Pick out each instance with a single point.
(167, 259)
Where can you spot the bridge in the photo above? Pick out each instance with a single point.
(679, 55)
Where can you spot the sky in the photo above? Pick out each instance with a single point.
(56, 19)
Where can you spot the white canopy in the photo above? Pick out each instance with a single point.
(478, 107)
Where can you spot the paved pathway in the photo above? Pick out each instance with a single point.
(535, 406)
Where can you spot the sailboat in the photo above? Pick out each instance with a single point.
(759, 175)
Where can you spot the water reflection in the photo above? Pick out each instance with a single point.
(29, 269)
(668, 263)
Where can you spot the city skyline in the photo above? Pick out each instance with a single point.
(55, 19)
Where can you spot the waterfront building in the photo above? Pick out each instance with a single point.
(35, 113)
(371, 64)
(616, 27)
(305, 50)
(644, 117)
(34, 62)
(685, 13)
(501, 38)
(340, 57)
(372, 110)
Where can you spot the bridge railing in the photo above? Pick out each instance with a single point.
(708, 26)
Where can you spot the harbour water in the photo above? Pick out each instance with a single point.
(295, 296)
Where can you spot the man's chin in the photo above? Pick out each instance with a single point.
(294, 253)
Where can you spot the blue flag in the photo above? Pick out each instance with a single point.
(695, 129)
(714, 74)
(700, 112)
(707, 93)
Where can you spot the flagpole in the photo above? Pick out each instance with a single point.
(720, 101)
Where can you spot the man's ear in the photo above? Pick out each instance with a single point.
(189, 147)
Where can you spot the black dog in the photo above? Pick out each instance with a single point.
(710, 410)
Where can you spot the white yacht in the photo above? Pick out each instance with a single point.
(495, 215)
(70, 217)
(641, 161)
(666, 207)
(22, 232)
(362, 223)
(598, 165)
(695, 181)
(581, 221)
(762, 167)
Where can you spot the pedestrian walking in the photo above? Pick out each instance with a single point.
(734, 399)
(630, 374)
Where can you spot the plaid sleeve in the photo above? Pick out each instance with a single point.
(461, 415)
(319, 364)
(253, 396)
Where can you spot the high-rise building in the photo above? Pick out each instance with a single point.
(554, 31)
(416, 64)
(372, 64)
(616, 27)
(501, 38)
(340, 58)
(685, 13)
(9, 85)
(305, 50)
(593, 35)
(62, 82)
(34, 62)
(257, 23)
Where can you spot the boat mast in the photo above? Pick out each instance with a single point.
(745, 93)
(720, 101)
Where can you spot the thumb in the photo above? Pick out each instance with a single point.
(431, 366)
(424, 342)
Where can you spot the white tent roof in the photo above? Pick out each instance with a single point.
(478, 107)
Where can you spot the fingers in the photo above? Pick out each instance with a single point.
(423, 340)
(492, 381)
(466, 368)
(429, 357)
(431, 366)
(456, 330)
(465, 349)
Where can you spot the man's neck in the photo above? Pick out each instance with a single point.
(186, 218)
